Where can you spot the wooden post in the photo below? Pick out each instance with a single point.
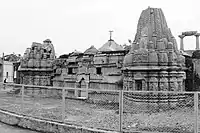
(63, 104)
(120, 110)
(13, 86)
(75, 90)
(22, 98)
(3, 68)
(196, 112)
(87, 87)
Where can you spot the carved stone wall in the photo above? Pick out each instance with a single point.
(154, 81)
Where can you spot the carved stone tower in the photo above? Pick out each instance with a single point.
(154, 62)
(37, 65)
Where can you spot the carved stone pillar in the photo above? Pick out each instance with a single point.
(130, 79)
(173, 85)
(153, 84)
(163, 79)
(144, 85)
(197, 41)
(125, 82)
(181, 42)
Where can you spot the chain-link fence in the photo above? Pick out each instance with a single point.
(43, 102)
(116, 110)
(10, 98)
(158, 111)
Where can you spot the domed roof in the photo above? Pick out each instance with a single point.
(128, 59)
(75, 53)
(47, 40)
(111, 45)
(92, 50)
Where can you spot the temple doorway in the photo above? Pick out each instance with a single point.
(82, 93)
(138, 85)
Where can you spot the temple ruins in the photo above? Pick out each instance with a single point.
(153, 63)
(36, 65)
(189, 33)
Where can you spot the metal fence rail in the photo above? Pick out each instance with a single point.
(117, 110)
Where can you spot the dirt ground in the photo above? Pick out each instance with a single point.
(4, 128)
(103, 116)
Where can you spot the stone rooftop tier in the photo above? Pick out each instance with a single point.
(153, 68)
(35, 69)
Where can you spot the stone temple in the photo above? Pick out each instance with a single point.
(36, 64)
(154, 63)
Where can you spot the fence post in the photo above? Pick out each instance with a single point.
(13, 87)
(121, 93)
(22, 99)
(63, 104)
(5, 85)
(196, 98)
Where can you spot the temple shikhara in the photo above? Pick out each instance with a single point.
(36, 64)
(151, 63)
(154, 62)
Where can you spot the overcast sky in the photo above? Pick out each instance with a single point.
(78, 24)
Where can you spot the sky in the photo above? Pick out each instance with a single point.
(78, 24)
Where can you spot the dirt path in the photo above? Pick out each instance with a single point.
(11, 129)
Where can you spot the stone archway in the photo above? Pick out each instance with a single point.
(83, 94)
(189, 33)
(83, 83)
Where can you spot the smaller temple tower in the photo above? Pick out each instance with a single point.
(36, 65)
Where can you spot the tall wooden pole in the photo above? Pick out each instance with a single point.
(120, 110)
(196, 110)
(3, 67)
(22, 98)
(63, 104)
